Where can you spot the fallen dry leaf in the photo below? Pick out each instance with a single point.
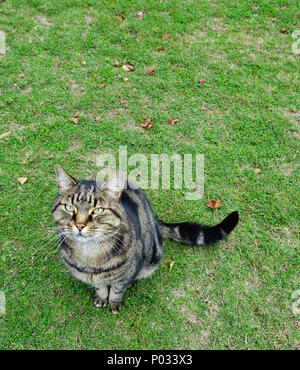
(151, 73)
(8, 102)
(98, 118)
(77, 114)
(21, 75)
(166, 35)
(285, 31)
(101, 84)
(120, 16)
(214, 204)
(125, 79)
(5, 134)
(22, 180)
(160, 49)
(123, 101)
(202, 80)
(172, 121)
(147, 124)
(83, 62)
(74, 119)
(257, 170)
(171, 264)
(116, 64)
(284, 6)
(127, 66)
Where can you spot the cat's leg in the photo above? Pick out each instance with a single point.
(101, 295)
(116, 293)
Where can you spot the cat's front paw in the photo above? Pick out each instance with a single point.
(115, 307)
(98, 302)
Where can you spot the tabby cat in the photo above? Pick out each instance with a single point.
(109, 236)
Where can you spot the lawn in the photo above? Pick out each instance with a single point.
(226, 71)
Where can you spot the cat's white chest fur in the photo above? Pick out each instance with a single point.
(88, 251)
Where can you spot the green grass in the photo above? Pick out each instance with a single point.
(236, 295)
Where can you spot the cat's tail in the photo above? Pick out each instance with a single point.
(193, 233)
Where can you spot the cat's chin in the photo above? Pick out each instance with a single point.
(82, 238)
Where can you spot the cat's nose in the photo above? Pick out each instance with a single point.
(80, 226)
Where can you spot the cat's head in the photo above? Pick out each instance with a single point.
(87, 209)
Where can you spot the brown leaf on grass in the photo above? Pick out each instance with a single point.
(172, 121)
(284, 7)
(77, 114)
(83, 62)
(116, 64)
(160, 49)
(151, 73)
(202, 80)
(8, 102)
(257, 170)
(147, 124)
(125, 79)
(214, 204)
(166, 35)
(74, 119)
(285, 31)
(22, 180)
(123, 101)
(295, 15)
(101, 84)
(21, 75)
(120, 16)
(98, 118)
(127, 66)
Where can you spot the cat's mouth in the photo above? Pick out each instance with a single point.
(84, 236)
(81, 235)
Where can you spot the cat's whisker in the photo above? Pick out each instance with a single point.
(49, 243)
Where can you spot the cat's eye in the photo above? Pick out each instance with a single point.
(69, 208)
(98, 210)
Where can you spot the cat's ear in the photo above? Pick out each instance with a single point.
(65, 182)
(115, 185)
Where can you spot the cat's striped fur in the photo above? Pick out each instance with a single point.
(123, 243)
